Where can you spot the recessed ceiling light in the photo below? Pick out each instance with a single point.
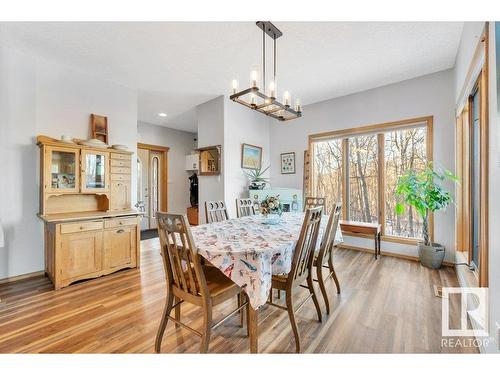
(162, 114)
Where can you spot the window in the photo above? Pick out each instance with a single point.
(404, 150)
(363, 176)
(328, 161)
(362, 166)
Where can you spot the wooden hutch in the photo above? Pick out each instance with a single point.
(90, 228)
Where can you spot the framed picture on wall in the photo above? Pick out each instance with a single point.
(288, 163)
(251, 156)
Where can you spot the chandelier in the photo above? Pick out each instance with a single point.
(265, 100)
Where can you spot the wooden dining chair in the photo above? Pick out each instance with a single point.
(215, 211)
(325, 254)
(311, 202)
(188, 280)
(244, 207)
(301, 270)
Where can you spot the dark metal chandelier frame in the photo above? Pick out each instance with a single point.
(270, 105)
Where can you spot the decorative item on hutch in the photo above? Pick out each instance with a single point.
(99, 127)
(85, 203)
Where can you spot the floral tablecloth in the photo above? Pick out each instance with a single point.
(250, 252)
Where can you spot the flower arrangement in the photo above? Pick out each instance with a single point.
(271, 205)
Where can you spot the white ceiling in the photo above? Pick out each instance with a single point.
(178, 65)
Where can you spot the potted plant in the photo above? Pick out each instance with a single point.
(256, 177)
(423, 191)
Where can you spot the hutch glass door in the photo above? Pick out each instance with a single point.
(95, 174)
(62, 174)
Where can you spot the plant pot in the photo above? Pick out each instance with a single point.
(431, 256)
(257, 186)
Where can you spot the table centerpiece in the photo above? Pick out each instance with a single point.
(271, 208)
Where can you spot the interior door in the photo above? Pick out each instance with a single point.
(155, 181)
(143, 186)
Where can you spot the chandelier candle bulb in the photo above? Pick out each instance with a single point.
(272, 89)
(235, 85)
(297, 105)
(253, 76)
(286, 98)
(252, 99)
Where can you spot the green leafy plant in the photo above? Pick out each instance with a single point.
(256, 176)
(423, 191)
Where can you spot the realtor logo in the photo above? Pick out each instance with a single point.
(472, 304)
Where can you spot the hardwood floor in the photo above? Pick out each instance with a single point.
(386, 306)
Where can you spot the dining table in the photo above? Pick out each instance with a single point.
(249, 251)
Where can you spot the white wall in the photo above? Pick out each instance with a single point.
(210, 117)
(423, 96)
(223, 122)
(471, 35)
(42, 97)
(181, 144)
(241, 125)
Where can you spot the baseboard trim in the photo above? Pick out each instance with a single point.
(22, 277)
(384, 253)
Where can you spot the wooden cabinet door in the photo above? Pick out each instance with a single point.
(95, 171)
(120, 247)
(120, 195)
(61, 169)
(80, 254)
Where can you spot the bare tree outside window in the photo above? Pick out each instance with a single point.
(363, 173)
(327, 171)
(403, 150)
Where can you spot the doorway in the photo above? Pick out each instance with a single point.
(151, 185)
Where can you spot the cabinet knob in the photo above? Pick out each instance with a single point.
(81, 227)
(120, 231)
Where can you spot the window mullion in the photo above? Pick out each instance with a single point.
(381, 181)
(345, 178)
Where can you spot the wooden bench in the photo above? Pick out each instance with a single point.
(373, 229)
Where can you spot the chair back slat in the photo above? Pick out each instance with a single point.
(311, 202)
(304, 250)
(215, 211)
(180, 256)
(328, 239)
(244, 207)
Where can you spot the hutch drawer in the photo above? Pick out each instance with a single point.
(115, 155)
(120, 170)
(81, 226)
(121, 163)
(120, 177)
(120, 222)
